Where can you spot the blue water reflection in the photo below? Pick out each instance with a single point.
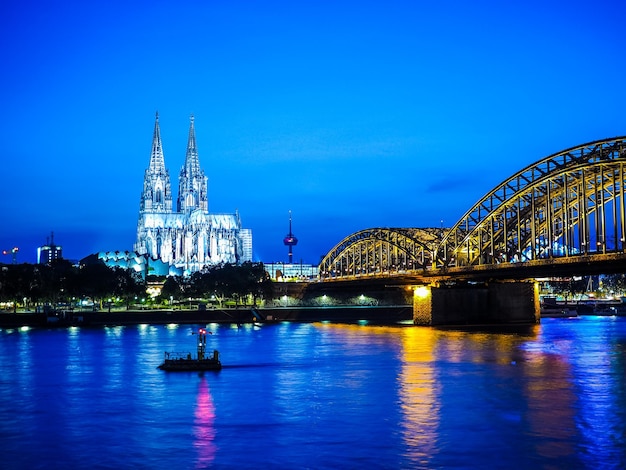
(317, 396)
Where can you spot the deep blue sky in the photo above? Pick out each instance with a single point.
(350, 114)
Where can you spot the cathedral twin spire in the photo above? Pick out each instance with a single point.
(193, 184)
(185, 236)
(157, 163)
(157, 192)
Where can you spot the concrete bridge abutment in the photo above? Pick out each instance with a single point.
(471, 304)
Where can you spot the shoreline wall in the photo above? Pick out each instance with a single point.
(386, 314)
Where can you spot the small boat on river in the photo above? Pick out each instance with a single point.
(177, 362)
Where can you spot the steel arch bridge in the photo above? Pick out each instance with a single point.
(381, 250)
(565, 205)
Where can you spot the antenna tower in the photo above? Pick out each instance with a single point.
(290, 240)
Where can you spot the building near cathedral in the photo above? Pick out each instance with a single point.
(186, 236)
(49, 252)
(132, 261)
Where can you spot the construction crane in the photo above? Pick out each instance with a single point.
(13, 251)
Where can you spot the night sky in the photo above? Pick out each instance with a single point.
(350, 114)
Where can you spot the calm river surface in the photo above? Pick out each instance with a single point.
(317, 396)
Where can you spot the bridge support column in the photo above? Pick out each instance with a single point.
(423, 305)
(493, 303)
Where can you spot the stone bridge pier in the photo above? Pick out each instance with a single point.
(472, 304)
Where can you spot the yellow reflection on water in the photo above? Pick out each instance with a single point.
(418, 391)
(531, 389)
(419, 394)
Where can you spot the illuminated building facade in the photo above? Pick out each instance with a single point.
(49, 252)
(187, 237)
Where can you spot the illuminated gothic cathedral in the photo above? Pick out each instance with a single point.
(188, 238)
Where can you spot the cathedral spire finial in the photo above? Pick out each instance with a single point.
(157, 192)
(191, 160)
(157, 162)
(193, 184)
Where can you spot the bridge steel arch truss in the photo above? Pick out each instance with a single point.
(567, 204)
(381, 250)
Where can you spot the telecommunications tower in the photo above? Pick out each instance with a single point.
(290, 240)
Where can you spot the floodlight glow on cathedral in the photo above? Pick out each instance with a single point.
(189, 237)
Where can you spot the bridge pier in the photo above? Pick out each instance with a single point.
(488, 303)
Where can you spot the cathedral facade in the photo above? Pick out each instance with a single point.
(186, 236)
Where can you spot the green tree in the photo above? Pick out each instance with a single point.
(96, 281)
(173, 288)
(16, 283)
(128, 284)
(231, 281)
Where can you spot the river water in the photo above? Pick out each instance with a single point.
(317, 395)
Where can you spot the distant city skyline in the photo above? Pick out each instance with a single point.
(350, 115)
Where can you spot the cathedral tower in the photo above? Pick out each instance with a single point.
(157, 193)
(190, 238)
(193, 185)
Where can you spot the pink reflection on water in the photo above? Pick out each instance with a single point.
(203, 428)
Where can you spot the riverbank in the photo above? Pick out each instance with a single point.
(345, 314)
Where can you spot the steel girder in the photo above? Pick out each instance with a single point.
(380, 250)
(568, 203)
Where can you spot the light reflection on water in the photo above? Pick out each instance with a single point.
(204, 430)
(418, 391)
(318, 396)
